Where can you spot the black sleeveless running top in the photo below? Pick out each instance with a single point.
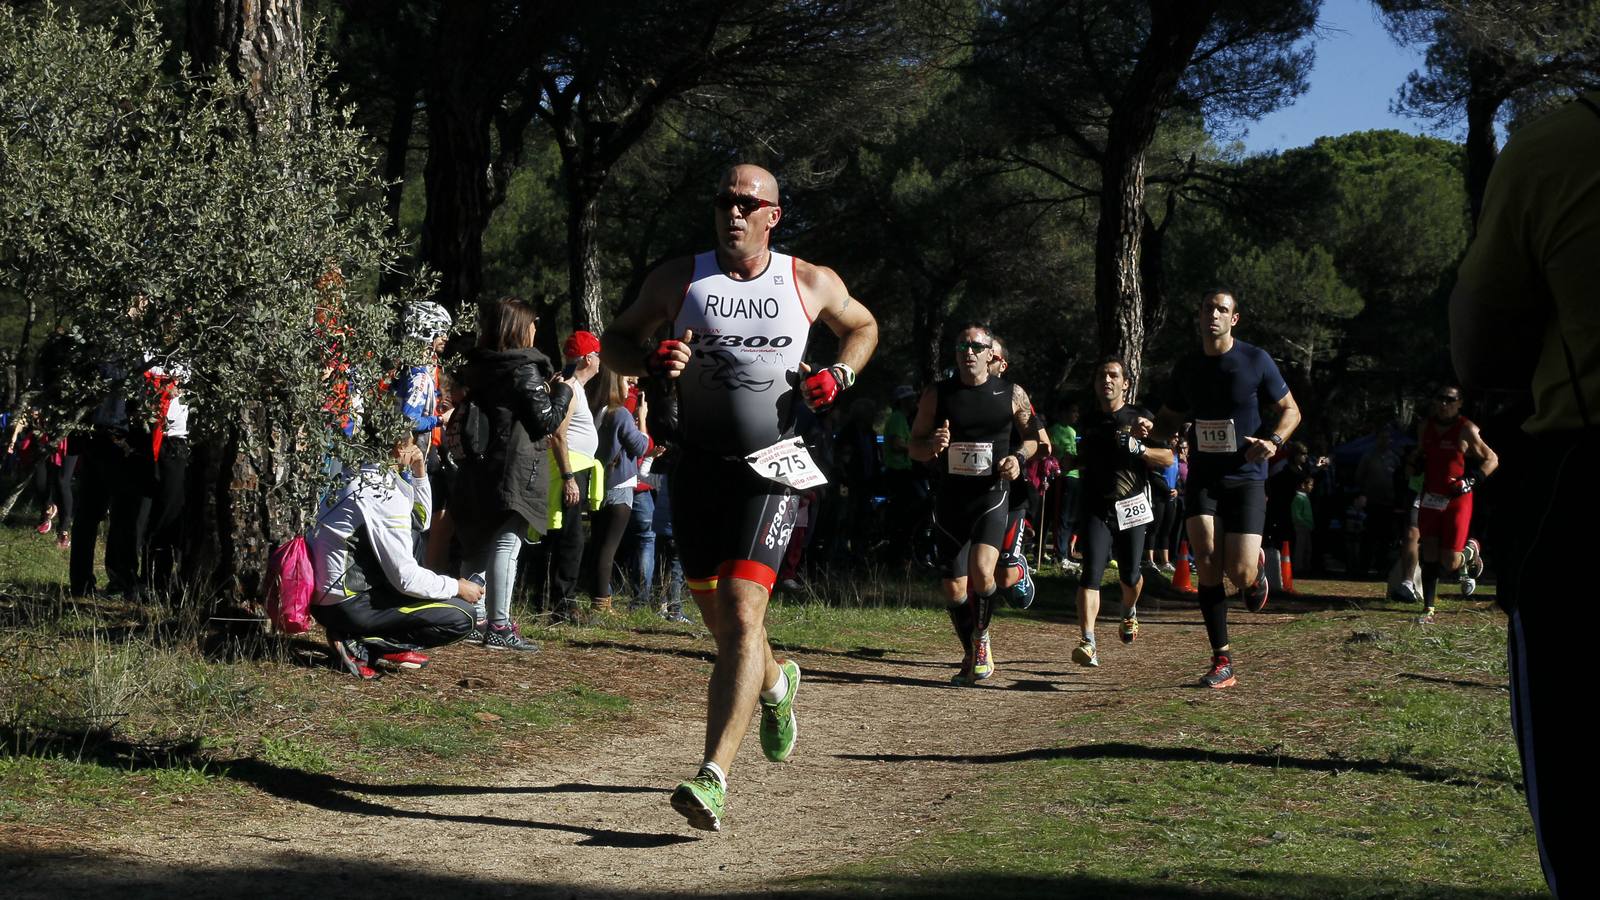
(978, 414)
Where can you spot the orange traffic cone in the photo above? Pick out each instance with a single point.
(1288, 570)
(1182, 579)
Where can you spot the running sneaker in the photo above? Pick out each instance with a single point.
(1086, 653)
(964, 674)
(479, 632)
(63, 541)
(676, 617)
(1255, 596)
(778, 727)
(508, 637)
(1221, 674)
(1468, 586)
(45, 525)
(982, 658)
(1130, 629)
(1022, 593)
(701, 800)
(404, 659)
(350, 656)
(1168, 569)
(1426, 618)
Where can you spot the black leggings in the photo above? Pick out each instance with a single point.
(386, 618)
(1165, 526)
(610, 524)
(53, 484)
(1097, 541)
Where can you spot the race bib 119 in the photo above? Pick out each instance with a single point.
(1215, 436)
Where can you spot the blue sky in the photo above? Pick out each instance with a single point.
(1358, 70)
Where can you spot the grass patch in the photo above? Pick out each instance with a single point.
(448, 729)
(1343, 775)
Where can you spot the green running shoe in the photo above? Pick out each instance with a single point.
(700, 800)
(982, 659)
(778, 728)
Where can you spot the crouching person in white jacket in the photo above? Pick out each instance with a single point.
(377, 604)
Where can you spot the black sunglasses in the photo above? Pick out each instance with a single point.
(747, 204)
(1446, 398)
(975, 346)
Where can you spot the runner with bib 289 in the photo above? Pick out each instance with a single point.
(739, 317)
(1221, 390)
(1114, 506)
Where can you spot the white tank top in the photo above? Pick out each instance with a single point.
(737, 394)
(581, 434)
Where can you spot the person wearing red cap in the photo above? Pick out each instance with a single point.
(739, 318)
(573, 447)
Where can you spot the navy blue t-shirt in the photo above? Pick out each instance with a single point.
(1233, 386)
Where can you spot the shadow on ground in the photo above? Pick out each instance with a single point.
(1119, 750)
(50, 875)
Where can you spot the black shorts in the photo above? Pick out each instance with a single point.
(1241, 505)
(1099, 539)
(963, 514)
(728, 521)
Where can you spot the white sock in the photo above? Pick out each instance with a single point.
(779, 689)
(716, 771)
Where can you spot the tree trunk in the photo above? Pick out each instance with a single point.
(1176, 27)
(1119, 302)
(397, 149)
(585, 290)
(457, 183)
(1484, 98)
(460, 102)
(260, 43)
(22, 364)
(1153, 276)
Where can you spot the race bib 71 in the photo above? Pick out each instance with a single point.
(971, 458)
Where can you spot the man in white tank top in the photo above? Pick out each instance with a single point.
(739, 317)
(575, 442)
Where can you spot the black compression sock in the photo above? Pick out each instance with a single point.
(1214, 609)
(985, 611)
(961, 618)
(1430, 583)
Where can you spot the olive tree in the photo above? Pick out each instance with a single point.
(170, 226)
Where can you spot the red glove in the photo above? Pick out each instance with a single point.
(822, 388)
(670, 356)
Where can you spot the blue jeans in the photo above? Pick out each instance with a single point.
(663, 529)
(496, 561)
(642, 531)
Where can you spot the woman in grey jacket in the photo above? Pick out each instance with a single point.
(502, 487)
(622, 445)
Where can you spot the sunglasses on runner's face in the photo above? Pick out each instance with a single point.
(1446, 398)
(975, 347)
(746, 204)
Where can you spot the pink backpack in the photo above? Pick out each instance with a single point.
(290, 584)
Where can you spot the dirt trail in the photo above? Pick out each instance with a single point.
(594, 820)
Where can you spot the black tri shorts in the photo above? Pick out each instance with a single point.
(728, 521)
(1241, 504)
(964, 513)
